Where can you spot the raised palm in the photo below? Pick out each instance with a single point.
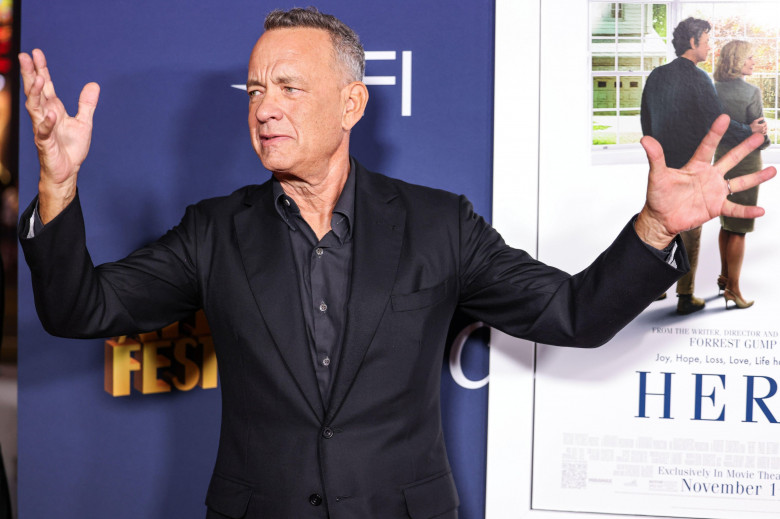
(62, 141)
(681, 199)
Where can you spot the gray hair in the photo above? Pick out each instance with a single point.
(346, 43)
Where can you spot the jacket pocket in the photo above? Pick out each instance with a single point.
(228, 497)
(431, 497)
(420, 299)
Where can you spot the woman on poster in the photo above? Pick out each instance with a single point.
(742, 102)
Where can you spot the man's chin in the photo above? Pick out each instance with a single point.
(275, 163)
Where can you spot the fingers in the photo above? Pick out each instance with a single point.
(46, 127)
(759, 125)
(707, 147)
(33, 67)
(739, 152)
(34, 100)
(735, 210)
(747, 181)
(44, 107)
(27, 70)
(88, 102)
(39, 60)
(34, 103)
(35, 83)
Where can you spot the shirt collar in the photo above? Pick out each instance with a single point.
(343, 214)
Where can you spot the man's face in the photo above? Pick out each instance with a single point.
(701, 50)
(296, 102)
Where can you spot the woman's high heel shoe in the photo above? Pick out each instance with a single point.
(728, 295)
(722, 280)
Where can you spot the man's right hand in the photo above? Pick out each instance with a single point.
(62, 141)
(759, 126)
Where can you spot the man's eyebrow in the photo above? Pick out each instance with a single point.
(286, 79)
(282, 79)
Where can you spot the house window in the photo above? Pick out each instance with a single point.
(756, 23)
(624, 49)
(616, 11)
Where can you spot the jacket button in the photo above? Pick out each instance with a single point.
(327, 433)
(315, 500)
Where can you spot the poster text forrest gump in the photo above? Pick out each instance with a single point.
(708, 350)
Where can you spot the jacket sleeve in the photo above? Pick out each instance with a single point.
(149, 289)
(755, 110)
(513, 292)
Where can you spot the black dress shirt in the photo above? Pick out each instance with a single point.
(323, 268)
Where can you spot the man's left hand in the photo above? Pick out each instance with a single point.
(682, 199)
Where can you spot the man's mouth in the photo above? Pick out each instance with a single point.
(271, 138)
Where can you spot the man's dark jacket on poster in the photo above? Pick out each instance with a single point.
(679, 104)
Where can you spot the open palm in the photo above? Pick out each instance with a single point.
(681, 199)
(62, 141)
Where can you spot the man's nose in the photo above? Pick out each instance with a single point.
(268, 108)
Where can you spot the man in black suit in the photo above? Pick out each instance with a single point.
(679, 104)
(329, 289)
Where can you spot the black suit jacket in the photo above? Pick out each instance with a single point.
(376, 449)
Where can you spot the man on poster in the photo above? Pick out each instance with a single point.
(329, 289)
(679, 105)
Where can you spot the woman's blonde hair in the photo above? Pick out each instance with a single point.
(732, 59)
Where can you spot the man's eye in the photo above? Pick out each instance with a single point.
(290, 89)
(253, 93)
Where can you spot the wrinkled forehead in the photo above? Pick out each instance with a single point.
(299, 44)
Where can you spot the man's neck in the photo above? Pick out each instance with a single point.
(691, 56)
(317, 196)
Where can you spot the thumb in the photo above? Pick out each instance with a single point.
(654, 152)
(88, 101)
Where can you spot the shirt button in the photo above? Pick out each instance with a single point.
(323, 307)
(315, 500)
(327, 433)
(326, 361)
(319, 251)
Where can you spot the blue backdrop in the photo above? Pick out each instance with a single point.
(170, 130)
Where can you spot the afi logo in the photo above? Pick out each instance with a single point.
(406, 76)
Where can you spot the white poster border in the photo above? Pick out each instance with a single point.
(523, 30)
(516, 165)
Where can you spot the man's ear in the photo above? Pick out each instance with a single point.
(693, 42)
(355, 99)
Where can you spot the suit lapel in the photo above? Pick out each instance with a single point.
(377, 238)
(264, 243)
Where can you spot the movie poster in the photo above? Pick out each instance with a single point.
(677, 416)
